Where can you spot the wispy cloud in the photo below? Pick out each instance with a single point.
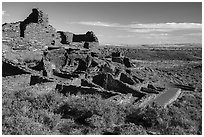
(158, 34)
(194, 34)
(143, 28)
(125, 36)
(4, 13)
(98, 23)
(155, 36)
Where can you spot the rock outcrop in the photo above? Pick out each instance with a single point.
(168, 97)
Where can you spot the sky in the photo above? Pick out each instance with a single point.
(126, 23)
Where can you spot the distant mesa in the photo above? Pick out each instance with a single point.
(36, 29)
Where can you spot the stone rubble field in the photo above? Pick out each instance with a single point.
(57, 82)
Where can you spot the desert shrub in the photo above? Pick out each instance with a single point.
(48, 119)
(13, 103)
(47, 101)
(170, 120)
(69, 127)
(19, 125)
(130, 129)
(25, 112)
(91, 110)
(148, 116)
(20, 115)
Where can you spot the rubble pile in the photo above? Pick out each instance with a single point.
(54, 57)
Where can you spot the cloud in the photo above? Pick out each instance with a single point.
(144, 28)
(125, 36)
(158, 34)
(4, 13)
(98, 23)
(194, 34)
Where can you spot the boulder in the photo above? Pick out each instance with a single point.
(150, 86)
(149, 90)
(126, 62)
(86, 45)
(126, 79)
(117, 59)
(168, 97)
(118, 86)
(137, 80)
(107, 81)
(9, 70)
(38, 80)
(184, 87)
(108, 68)
(128, 71)
(100, 80)
(116, 54)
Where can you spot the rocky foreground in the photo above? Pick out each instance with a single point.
(76, 88)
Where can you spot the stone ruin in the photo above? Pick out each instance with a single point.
(69, 62)
(88, 40)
